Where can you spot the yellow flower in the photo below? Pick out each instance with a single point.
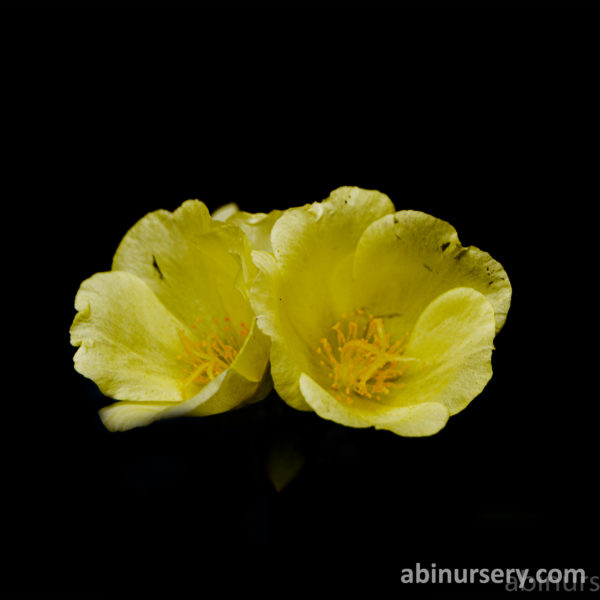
(376, 317)
(169, 331)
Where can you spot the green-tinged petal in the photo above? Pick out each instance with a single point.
(224, 212)
(406, 260)
(419, 420)
(450, 350)
(196, 267)
(122, 416)
(128, 341)
(307, 284)
(256, 226)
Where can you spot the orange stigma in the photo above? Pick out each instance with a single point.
(361, 359)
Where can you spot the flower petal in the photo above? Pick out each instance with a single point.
(420, 420)
(224, 212)
(307, 284)
(450, 363)
(230, 389)
(223, 393)
(256, 226)
(122, 416)
(287, 359)
(404, 261)
(253, 357)
(128, 340)
(196, 267)
(314, 245)
(327, 407)
(451, 346)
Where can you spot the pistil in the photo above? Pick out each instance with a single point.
(361, 358)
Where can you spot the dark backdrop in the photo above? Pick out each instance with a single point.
(497, 145)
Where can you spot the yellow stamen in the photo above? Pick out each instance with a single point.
(366, 363)
(210, 356)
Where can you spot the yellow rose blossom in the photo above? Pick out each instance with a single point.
(169, 331)
(376, 317)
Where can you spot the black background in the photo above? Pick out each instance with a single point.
(495, 141)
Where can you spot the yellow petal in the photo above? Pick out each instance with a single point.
(223, 393)
(196, 267)
(253, 356)
(307, 282)
(406, 260)
(224, 212)
(314, 246)
(243, 383)
(453, 340)
(122, 416)
(449, 363)
(287, 360)
(256, 226)
(418, 420)
(264, 293)
(128, 341)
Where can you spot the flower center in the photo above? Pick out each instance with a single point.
(362, 360)
(210, 356)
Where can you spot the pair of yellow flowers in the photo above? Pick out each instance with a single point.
(365, 315)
